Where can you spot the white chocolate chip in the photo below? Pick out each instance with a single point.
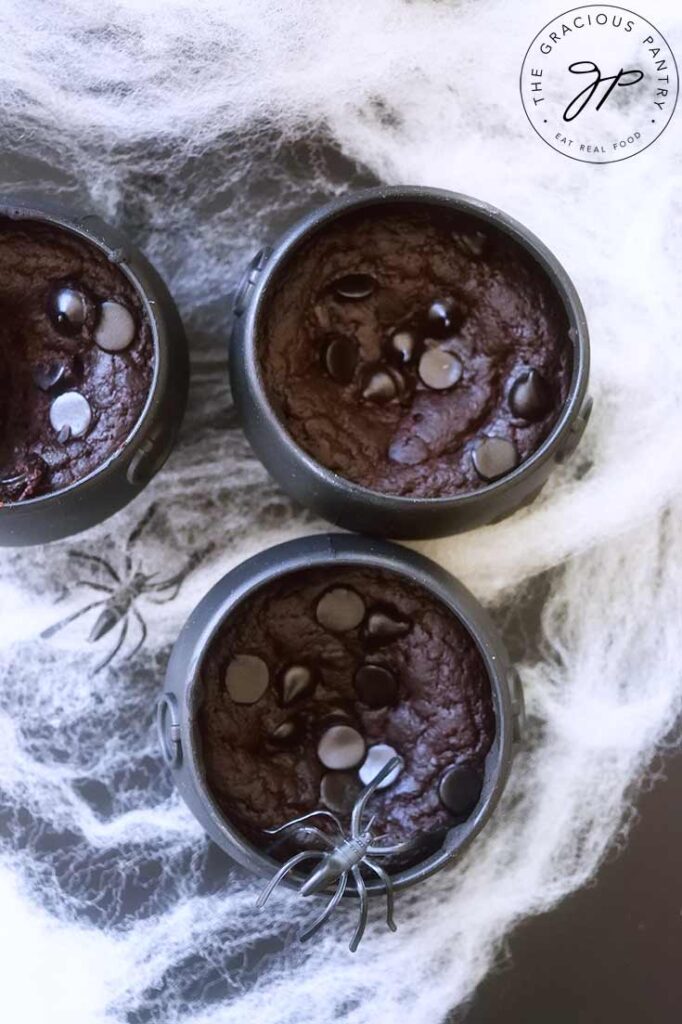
(116, 327)
(377, 758)
(70, 415)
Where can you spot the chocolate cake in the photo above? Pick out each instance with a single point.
(317, 679)
(76, 359)
(414, 351)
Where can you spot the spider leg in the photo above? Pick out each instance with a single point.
(288, 866)
(367, 792)
(362, 923)
(306, 817)
(384, 851)
(97, 560)
(318, 834)
(301, 834)
(51, 630)
(328, 910)
(115, 649)
(95, 586)
(143, 634)
(139, 526)
(172, 581)
(165, 600)
(179, 577)
(379, 871)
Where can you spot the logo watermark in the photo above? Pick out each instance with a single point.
(599, 83)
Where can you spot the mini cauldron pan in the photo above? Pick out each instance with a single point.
(346, 503)
(128, 470)
(178, 706)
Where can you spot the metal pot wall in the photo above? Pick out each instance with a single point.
(339, 500)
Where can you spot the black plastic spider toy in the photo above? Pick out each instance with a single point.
(121, 593)
(346, 856)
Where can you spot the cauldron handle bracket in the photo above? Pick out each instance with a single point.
(168, 725)
(248, 280)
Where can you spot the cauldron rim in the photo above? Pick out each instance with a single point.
(257, 410)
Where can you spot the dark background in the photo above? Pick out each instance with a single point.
(613, 951)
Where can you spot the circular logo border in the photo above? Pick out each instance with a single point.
(611, 7)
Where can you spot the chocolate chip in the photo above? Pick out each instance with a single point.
(246, 678)
(354, 286)
(336, 716)
(339, 791)
(494, 456)
(287, 733)
(439, 370)
(402, 345)
(530, 397)
(385, 625)
(67, 309)
(442, 318)
(70, 415)
(340, 609)
(116, 328)
(341, 747)
(408, 451)
(376, 686)
(296, 682)
(378, 756)
(340, 359)
(380, 388)
(459, 790)
(48, 377)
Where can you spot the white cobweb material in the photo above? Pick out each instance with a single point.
(199, 127)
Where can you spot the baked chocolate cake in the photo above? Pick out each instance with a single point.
(76, 359)
(415, 352)
(321, 676)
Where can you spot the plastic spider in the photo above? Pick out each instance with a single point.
(346, 856)
(122, 591)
